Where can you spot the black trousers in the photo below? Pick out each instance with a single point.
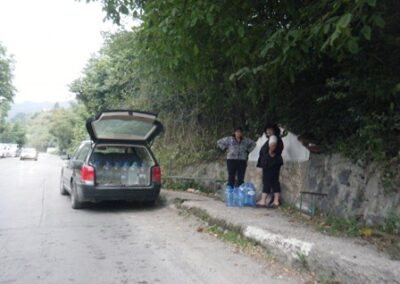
(271, 182)
(236, 168)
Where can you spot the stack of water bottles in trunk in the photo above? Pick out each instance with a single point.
(244, 195)
(122, 173)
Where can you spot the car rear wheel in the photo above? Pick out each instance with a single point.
(62, 187)
(75, 202)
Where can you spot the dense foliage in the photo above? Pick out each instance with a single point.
(6, 75)
(7, 91)
(9, 133)
(13, 133)
(327, 69)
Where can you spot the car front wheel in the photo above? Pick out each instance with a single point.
(75, 202)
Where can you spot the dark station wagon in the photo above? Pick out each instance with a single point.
(117, 163)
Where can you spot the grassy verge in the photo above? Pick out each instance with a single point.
(232, 236)
(236, 239)
(385, 237)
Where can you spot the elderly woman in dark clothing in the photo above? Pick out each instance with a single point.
(238, 149)
(271, 161)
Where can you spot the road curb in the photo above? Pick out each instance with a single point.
(327, 264)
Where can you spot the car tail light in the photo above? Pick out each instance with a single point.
(156, 174)
(87, 174)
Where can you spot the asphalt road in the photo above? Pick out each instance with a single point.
(43, 240)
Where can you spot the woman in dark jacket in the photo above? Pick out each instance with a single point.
(238, 149)
(271, 161)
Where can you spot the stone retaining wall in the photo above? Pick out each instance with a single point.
(352, 190)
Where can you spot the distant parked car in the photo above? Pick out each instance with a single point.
(8, 150)
(117, 163)
(13, 150)
(28, 154)
(3, 151)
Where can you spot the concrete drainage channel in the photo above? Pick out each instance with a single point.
(320, 259)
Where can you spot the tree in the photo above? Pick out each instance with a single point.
(7, 90)
(66, 126)
(327, 69)
(6, 75)
(63, 128)
(19, 134)
(13, 133)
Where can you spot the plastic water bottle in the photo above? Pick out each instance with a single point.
(229, 196)
(240, 197)
(124, 173)
(106, 172)
(250, 194)
(253, 195)
(133, 174)
(243, 189)
(144, 173)
(116, 174)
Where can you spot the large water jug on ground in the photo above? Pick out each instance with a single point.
(229, 196)
(249, 191)
(239, 197)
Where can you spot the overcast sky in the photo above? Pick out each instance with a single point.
(51, 41)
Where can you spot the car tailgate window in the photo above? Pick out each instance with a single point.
(121, 128)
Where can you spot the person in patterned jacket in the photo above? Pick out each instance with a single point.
(238, 149)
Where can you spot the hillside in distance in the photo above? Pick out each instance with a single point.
(32, 107)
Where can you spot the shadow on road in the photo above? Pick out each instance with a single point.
(124, 206)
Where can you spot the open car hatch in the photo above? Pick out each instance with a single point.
(124, 126)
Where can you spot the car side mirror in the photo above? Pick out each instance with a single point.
(65, 157)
